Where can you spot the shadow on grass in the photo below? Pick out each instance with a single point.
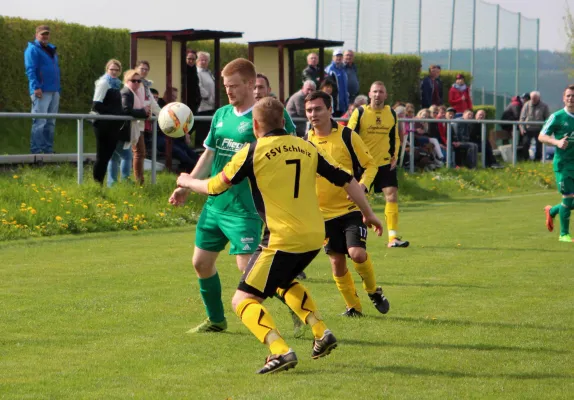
(456, 322)
(448, 346)
(466, 286)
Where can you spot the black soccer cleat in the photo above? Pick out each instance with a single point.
(352, 313)
(279, 362)
(324, 346)
(380, 301)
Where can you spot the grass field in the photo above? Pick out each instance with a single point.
(481, 307)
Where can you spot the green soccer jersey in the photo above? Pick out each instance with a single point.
(561, 124)
(228, 134)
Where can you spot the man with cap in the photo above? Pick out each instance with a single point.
(41, 62)
(459, 96)
(337, 74)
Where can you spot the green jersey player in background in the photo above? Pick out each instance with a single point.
(561, 126)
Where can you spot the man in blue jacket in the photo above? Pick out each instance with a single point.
(41, 62)
(337, 73)
(431, 88)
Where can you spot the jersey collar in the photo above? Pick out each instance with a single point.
(276, 132)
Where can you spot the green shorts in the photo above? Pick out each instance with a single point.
(565, 182)
(215, 229)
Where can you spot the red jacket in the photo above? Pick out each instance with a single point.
(455, 99)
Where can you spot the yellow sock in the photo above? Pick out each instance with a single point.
(258, 320)
(392, 217)
(299, 300)
(367, 272)
(346, 287)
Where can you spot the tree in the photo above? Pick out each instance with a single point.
(569, 27)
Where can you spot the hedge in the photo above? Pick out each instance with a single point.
(83, 53)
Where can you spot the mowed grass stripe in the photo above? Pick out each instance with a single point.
(480, 308)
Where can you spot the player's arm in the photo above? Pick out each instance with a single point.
(367, 162)
(352, 124)
(327, 167)
(395, 140)
(233, 173)
(289, 125)
(546, 133)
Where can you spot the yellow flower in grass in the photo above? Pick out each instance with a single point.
(114, 216)
(161, 214)
(4, 210)
(125, 202)
(58, 218)
(42, 198)
(135, 227)
(67, 212)
(84, 206)
(15, 177)
(126, 217)
(33, 212)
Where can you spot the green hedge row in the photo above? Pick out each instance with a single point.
(83, 53)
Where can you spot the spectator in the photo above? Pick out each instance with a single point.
(398, 104)
(450, 113)
(352, 75)
(336, 72)
(525, 97)
(511, 113)
(193, 96)
(312, 72)
(431, 88)
(434, 130)
(360, 100)
(533, 110)
(207, 90)
(296, 106)
(133, 104)
(459, 97)
(409, 110)
(155, 95)
(144, 141)
(107, 101)
(463, 146)
(476, 137)
(43, 71)
(180, 149)
(263, 89)
(422, 137)
(328, 87)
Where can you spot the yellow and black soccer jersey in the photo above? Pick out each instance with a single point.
(378, 129)
(347, 149)
(282, 171)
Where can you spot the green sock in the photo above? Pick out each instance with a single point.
(565, 208)
(210, 289)
(555, 210)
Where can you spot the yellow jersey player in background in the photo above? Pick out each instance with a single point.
(376, 124)
(345, 232)
(281, 170)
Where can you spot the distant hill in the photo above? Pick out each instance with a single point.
(552, 74)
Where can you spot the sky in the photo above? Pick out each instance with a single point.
(258, 19)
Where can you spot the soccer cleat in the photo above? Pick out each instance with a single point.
(209, 326)
(565, 238)
(279, 362)
(352, 313)
(380, 301)
(397, 242)
(323, 346)
(549, 219)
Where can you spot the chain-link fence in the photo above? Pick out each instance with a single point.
(499, 47)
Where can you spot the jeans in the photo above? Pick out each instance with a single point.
(123, 155)
(42, 136)
(471, 155)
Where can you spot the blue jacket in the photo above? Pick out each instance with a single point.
(427, 89)
(339, 75)
(352, 80)
(42, 67)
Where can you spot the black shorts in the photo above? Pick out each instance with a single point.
(345, 231)
(385, 178)
(271, 269)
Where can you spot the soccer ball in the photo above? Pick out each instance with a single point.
(175, 119)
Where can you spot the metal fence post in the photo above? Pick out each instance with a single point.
(517, 83)
(483, 96)
(392, 25)
(80, 151)
(537, 51)
(412, 147)
(473, 38)
(153, 151)
(357, 25)
(448, 144)
(496, 55)
(420, 25)
(451, 36)
(543, 153)
(483, 143)
(514, 144)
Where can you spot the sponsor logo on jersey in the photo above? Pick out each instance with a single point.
(247, 240)
(286, 149)
(246, 247)
(379, 121)
(244, 127)
(219, 124)
(231, 145)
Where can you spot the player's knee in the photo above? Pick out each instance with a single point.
(358, 255)
(237, 299)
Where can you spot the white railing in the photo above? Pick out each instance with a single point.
(80, 118)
